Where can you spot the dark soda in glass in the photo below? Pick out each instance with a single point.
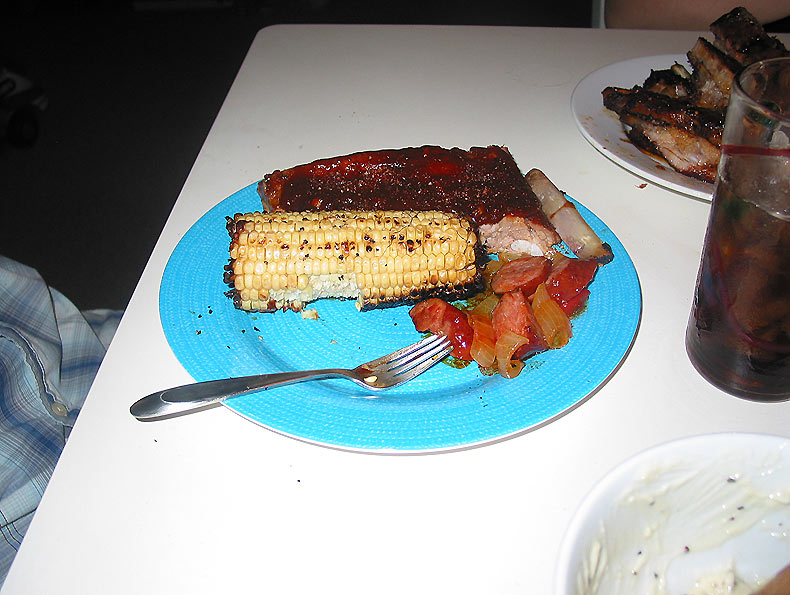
(738, 336)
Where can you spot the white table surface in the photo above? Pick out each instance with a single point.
(211, 503)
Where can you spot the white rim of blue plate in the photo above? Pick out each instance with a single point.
(446, 408)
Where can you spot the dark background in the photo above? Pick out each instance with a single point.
(132, 89)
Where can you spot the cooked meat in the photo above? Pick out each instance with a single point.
(662, 109)
(741, 36)
(618, 98)
(714, 72)
(685, 151)
(674, 82)
(691, 115)
(638, 138)
(524, 274)
(483, 184)
(518, 235)
(440, 318)
(514, 314)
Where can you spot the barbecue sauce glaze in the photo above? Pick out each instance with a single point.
(483, 184)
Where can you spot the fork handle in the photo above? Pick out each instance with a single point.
(200, 394)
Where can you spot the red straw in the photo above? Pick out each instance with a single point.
(745, 150)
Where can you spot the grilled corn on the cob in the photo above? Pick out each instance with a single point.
(284, 260)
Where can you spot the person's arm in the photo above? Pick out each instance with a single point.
(695, 15)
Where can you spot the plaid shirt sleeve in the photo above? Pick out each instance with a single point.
(49, 354)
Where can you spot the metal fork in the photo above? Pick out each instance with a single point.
(384, 372)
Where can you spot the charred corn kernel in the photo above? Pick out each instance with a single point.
(286, 260)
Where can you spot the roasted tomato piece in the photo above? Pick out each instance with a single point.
(575, 304)
(513, 313)
(524, 274)
(441, 318)
(568, 281)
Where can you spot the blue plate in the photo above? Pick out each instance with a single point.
(443, 409)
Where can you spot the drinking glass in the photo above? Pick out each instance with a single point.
(738, 335)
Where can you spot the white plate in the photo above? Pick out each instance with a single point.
(602, 128)
(681, 511)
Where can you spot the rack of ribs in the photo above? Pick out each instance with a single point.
(686, 136)
(740, 35)
(483, 184)
(679, 115)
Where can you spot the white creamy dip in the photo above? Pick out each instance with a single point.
(718, 524)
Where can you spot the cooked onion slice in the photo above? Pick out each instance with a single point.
(486, 306)
(483, 348)
(554, 323)
(573, 229)
(507, 344)
(492, 266)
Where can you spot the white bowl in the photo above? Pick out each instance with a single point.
(707, 514)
